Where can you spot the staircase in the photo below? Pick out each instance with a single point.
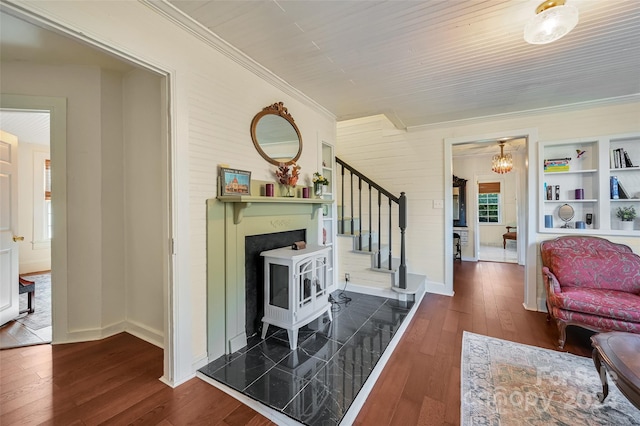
(367, 238)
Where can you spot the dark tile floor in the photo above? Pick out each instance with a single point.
(316, 383)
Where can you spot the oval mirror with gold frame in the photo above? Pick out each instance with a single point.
(275, 135)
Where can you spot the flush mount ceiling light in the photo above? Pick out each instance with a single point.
(553, 20)
(502, 163)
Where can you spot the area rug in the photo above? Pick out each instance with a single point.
(507, 383)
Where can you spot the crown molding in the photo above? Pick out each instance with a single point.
(179, 18)
(530, 112)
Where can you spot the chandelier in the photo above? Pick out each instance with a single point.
(502, 163)
(552, 21)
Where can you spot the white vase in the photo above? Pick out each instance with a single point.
(626, 225)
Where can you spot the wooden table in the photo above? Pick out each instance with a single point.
(619, 353)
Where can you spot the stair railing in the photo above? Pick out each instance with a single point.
(401, 201)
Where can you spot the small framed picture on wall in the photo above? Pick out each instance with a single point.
(235, 182)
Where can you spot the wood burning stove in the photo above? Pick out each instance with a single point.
(295, 288)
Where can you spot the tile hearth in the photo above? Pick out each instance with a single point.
(316, 383)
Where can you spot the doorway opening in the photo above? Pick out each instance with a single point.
(33, 323)
(111, 262)
(522, 203)
(497, 213)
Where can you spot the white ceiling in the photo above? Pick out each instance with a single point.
(418, 62)
(21, 41)
(431, 61)
(28, 126)
(489, 148)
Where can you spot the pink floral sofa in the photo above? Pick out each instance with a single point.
(592, 283)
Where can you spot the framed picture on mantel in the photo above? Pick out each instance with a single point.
(235, 182)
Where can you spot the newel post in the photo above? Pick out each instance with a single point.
(402, 221)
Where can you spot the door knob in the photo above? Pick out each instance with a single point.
(16, 238)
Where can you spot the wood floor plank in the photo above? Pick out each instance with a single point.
(152, 410)
(431, 412)
(388, 389)
(452, 401)
(240, 416)
(417, 330)
(451, 320)
(407, 413)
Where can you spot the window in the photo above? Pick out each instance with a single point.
(47, 179)
(48, 225)
(489, 202)
(49, 220)
(42, 212)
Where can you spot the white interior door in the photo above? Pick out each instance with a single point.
(9, 302)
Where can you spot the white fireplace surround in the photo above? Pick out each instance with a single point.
(246, 216)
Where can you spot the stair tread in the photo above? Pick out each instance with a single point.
(414, 284)
(374, 249)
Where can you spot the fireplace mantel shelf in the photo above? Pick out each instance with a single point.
(241, 202)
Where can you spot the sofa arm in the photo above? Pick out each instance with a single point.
(552, 285)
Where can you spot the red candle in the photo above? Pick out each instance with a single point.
(268, 190)
(305, 192)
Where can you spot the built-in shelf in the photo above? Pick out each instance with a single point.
(591, 171)
(570, 172)
(328, 224)
(625, 169)
(241, 202)
(571, 201)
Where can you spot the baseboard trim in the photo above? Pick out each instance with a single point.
(437, 288)
(171, 384)
(542, 304)
(148, 334)
(32, 267)
(135, 329)
(93, 334)
(371, 291)
(199, 362)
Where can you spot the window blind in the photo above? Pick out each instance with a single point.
(489, 188)
(47, 179)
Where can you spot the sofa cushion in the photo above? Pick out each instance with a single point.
(584, 243)
(604, 303)
(600, 269)
(595, 322)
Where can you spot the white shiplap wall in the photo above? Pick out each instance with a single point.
(401, 161)
(413, 162)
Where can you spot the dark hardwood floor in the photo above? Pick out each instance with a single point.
(111, 381)
(115, 380)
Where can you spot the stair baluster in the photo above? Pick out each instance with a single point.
(370, 228)
(342, 202)
(351, 189)
(359, 213)
(402, 218)
(379, 265)
(390, 234)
